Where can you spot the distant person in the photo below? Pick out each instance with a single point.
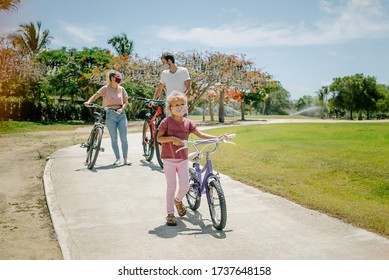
(115, 99)
(172, 131)
(173, 77)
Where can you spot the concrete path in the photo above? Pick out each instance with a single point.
(117, 213)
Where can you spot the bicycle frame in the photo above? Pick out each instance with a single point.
(208, 170)
(154, 122)
(150, 129)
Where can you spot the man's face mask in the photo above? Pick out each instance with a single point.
(165, 66)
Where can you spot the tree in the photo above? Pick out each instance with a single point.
(211, 72)
(370, 96)
(356, 94)
(74, 73)
(322, 96)
(342, 94)
(9, 4)
(277, 102)
(122, 45)
(383, 104)
(16, 72)
(304, 102)
(29, 39)
(221, 73)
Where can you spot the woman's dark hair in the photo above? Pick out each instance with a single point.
(167, 56)
(112, 74)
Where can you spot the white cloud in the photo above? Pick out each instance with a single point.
(326, 6)
(357, 19)
(87, 34)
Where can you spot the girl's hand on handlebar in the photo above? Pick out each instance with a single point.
(177, 142)
(224, 136)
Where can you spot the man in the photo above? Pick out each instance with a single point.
(173, 77)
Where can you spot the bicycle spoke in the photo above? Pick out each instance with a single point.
(147, 142)
(193, 196)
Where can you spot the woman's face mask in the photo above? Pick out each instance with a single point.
(118, 80)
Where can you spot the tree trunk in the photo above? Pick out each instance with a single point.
(221, 107)
(211, 112)
(242, 110)
(360, 116)
(264, 107)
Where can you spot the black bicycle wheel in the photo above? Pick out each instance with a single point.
(94, 146)
(158, 149)
(147, 141)
(87, 145)
(217, 206)
(193, 196)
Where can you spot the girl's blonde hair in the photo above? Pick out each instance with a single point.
(175, 96)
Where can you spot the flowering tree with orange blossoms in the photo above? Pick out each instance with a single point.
(213, 72)
(257, 87)
(220, 72)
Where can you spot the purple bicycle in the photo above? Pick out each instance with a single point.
(208, 183)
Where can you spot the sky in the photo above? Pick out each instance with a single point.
(304, 44)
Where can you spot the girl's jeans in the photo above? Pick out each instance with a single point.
(115, 122)
(172, 167)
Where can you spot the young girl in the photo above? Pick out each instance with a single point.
(172, 130)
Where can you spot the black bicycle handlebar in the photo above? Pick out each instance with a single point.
(93, 105)
(148, 100)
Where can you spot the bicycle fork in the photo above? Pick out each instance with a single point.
(88, 143)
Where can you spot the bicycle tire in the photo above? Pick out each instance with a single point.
(158, 149)
(147, 141)
(217, 205)
(193, 196)
(95, 146)
(88, 147)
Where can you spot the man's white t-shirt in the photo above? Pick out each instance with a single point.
(175, 81)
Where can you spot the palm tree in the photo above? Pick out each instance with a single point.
(322, 96)
(29, 38)
(9, 4)
(122, 44)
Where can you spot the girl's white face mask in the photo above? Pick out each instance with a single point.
(178, 111)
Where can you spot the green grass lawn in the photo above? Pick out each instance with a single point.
(341, 169)
(7, 127)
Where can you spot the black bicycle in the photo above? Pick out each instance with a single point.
(93, 144)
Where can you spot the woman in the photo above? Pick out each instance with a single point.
(115, 99)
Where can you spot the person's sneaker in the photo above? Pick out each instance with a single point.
(127, 162)
(171, 220)
(180, 207)
(117, 162)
